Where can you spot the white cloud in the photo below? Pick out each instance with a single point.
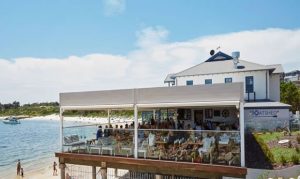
(34, 79)
(114, 7)
(151, 36)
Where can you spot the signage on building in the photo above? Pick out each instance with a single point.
(263, 113)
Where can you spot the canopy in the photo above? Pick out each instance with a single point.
(176, 96)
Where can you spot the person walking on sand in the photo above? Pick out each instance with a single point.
(54, 169)
(18, 167)
(22, 172)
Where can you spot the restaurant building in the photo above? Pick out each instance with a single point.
(195, 128)
(263, 110)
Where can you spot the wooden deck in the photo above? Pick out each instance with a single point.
(154, 166)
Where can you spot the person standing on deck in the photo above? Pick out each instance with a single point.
(99, 133)
(18, 167)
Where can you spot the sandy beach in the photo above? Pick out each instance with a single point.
(92, 120)
(44, 171)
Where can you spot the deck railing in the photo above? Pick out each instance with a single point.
(197, 146)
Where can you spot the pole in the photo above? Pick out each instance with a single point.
(61, 128)
(103, 170)
(62, 167)
(93, 172)
(108, 116)
(242, 134)
(135, 131)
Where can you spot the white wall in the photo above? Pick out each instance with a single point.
(275, 87)
(258, 76)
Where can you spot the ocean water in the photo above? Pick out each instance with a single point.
(33, 142)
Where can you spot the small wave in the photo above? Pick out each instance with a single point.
(2, 147)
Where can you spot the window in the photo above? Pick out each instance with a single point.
(208, 113)
(228, 80)
(217, 113)
(249, 84)
(208, 81)
(189, 82)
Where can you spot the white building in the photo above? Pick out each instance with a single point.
(261, 86)
(293, 76)
(209, 109)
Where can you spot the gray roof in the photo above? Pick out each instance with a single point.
(277, 68)
(266, 105)
(160, 96)
(225, 66)
(170, 78)
(223, 63)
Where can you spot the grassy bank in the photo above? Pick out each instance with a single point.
(280, 154)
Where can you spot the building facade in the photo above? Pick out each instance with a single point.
(261, 86)
(293, 76)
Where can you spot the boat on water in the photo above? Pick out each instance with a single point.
(11, 120)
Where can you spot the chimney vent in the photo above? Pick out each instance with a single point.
(235, 56)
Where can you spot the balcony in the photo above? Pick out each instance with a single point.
(193, 146)
(149, 145)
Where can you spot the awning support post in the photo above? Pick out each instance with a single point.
(135, 131)
(242, 134)
(153, 114)
(61, 128)
(108, 117)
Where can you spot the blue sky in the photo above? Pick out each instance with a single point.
(60, 28)
(53, 46)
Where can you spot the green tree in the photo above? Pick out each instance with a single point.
(290, 94)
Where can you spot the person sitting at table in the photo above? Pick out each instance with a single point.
(99, 133)
(180, 124)
(151, 139)
(132, 125)
(152, 122)
(171, 137)
(199, 127)
(126, 130)
(110, 130)
(218, 127)
(191, 132)
(106, 131)
(121, 131)
(115, 131)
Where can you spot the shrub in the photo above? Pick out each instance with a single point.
(298, 138)
(278, 138)
(295, 159)
(290, 144)
(297, 149)
(283, 160)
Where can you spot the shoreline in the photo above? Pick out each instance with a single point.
(43, 169)
(95, 120)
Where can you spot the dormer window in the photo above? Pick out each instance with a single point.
(189, 82)
(228, 80)
(208, 81)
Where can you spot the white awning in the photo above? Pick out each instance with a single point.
(178, 96)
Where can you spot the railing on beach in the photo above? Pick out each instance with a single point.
(197, 146)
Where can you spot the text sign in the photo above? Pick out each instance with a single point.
(263, 113)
